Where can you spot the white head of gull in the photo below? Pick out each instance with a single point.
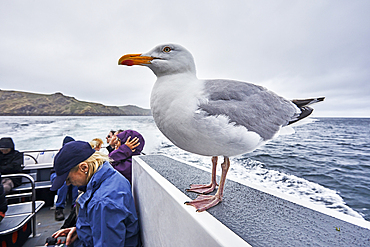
(212, 117)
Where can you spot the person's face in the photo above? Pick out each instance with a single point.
(118, 143)
(114, 137)
(79, 177)
(5, 150)
(108, 137)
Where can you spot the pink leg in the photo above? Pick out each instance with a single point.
(206, 188)
(204, 202)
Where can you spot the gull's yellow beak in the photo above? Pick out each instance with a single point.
(134, 59)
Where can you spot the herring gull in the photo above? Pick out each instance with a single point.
(212, 117)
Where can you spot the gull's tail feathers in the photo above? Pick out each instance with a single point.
(303, 105)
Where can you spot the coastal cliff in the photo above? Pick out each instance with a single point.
(17, 103)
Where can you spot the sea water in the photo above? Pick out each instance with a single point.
(326, 161)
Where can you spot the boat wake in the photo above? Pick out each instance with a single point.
(247, 171)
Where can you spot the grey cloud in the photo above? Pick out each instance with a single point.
(297, 49)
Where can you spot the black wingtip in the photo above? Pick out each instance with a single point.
(303, 105)
(320, 99)
(305, 102)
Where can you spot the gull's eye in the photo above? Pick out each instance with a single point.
(166, 49)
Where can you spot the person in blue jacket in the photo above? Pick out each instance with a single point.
(63, 191)
(106, 211)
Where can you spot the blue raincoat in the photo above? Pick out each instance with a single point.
(107, 215)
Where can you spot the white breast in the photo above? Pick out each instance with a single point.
(174, 106)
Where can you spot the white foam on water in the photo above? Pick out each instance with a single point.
(253, 172)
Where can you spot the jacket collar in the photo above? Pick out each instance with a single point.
(104, 171)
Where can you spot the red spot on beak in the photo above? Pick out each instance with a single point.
(128, 62)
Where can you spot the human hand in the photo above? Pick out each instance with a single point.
(53, 241)
(70, 233)
(133, 143)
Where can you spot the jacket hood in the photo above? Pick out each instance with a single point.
(6, 142)
(127, 133)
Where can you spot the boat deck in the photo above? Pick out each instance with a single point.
(260, 218)
(46, 225)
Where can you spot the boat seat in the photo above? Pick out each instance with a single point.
(41, 177)
(28, 186)
(19, 209)
(15, 228)
(42, 192)
(20, 219)
(23, 208)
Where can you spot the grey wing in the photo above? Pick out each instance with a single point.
(249, 105)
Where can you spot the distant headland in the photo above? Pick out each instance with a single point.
(17, 103)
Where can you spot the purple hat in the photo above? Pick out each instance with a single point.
(123, 136)
(69, 156)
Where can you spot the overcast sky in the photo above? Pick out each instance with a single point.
(297, 49)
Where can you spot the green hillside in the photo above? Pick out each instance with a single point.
(17, 103)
